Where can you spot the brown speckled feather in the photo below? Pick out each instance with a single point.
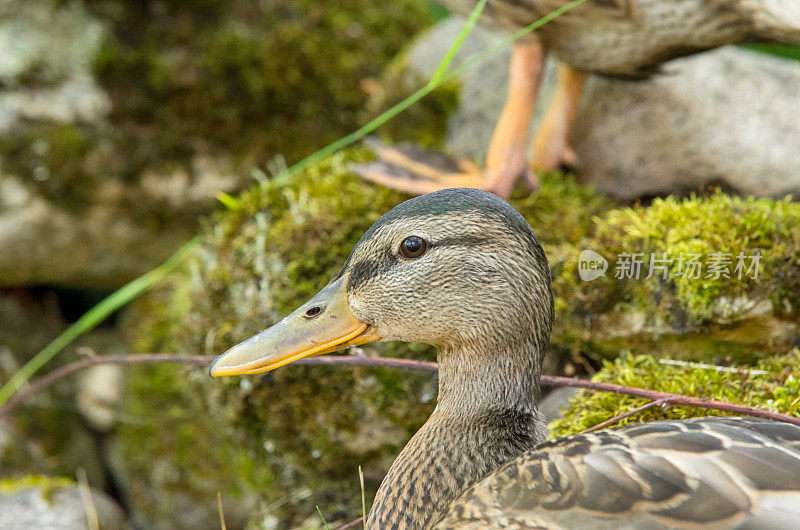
(702, 473)
(446, 456)
(633, 38)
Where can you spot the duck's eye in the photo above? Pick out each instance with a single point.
(413, 247)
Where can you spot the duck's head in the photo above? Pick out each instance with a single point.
(459, 269)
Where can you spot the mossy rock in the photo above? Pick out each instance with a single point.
(741, 313)
(56, 503)
(237, 82)
(299, 434)
(121, 142)
(254, 79)
(771, 384)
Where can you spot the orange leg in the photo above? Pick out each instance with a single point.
(506, 159)
(551, 146)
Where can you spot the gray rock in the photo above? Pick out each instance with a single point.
(45, 72)
(110, 235)
(554, 403)
(55, 508)
(102, 245)
(728, 116)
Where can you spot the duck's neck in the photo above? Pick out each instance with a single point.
(486, 415)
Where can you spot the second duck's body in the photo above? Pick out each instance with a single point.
(620, 38)
(633, 38)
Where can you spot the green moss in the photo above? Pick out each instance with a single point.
(179, 448)
(47, 486)
(561, 211)
(771, 384)
(246, 79)
(719, 224)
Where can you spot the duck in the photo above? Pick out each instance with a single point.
(462, 270)
(629, 39)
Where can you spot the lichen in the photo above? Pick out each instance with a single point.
(46, 485)
(771, 384)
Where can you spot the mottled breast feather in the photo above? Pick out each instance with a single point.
(701, 473)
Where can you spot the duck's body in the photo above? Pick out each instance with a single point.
(702, 473)
(621, 38)
(634, 38)
(462, 270)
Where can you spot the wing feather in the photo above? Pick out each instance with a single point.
(709, 472)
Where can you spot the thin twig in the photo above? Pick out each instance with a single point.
(674, 399)
(705, 366)
(388, 362)
(68, 369)
(619, 417)
(351, 524)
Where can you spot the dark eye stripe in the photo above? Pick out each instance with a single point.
(363, 270)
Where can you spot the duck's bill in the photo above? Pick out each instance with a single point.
(324, 324)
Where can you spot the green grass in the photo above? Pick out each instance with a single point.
(95, 316)
(323, 519)
(787, 51)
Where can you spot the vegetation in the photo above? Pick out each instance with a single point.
(209, 84)
(735, 314)
(46, 485)
(771, 384)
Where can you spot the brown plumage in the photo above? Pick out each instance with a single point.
(700, 473)
(633, 38)
(480, 291)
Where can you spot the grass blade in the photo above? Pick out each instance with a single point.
(451, 52)
(323, 519)
(363, 500)
(95, 316)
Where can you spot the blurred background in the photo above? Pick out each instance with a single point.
(128, 127)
